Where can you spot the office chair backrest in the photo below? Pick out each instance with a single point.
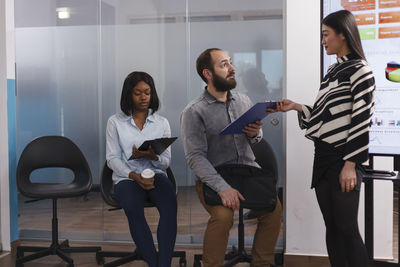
(265, 157)
(107, 187)
(57, 152)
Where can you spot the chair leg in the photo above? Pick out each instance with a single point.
(64, 257)
(132, 257)
(125, 257)
(22, 249)
(112, 254)
(55, 248)
(182, 257)
(197, 259)
(80, 249)
(65, 244)
(43, 252)
(233, 261)
(232, 254)
(100, 255)
(236, 256)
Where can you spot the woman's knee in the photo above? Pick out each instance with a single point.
(168, 208)
(134, 211)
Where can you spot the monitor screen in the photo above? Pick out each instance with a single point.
(379, 26)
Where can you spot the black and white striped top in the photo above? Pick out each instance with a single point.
(342, 111)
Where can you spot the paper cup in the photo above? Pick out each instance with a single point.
(148, 174)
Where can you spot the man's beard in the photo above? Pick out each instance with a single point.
(221, 84)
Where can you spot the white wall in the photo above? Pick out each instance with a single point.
(304, 225)
(4, 188)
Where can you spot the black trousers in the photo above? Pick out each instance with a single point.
(340, 209)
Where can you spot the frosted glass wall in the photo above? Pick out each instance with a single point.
(70, 71)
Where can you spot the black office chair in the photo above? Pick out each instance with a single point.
(265, 157)
(107, 192)
(48, 152)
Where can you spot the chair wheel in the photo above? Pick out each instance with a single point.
(20, 254)
(182, 262)
(196, 263)
(99, 259)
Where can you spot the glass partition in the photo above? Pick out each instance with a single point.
(72, 58)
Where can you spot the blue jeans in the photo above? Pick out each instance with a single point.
(132, 199)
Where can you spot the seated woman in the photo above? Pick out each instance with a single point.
(126, 131)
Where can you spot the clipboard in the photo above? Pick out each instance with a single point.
(158, 145)
(255, 113)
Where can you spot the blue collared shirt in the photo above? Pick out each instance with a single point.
(122, 133)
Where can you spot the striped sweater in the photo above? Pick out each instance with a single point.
(341, 115)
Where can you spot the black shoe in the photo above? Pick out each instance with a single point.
(251, 214)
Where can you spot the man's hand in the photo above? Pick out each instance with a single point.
(252, 129)
(149, 154)
(348, 177)
(146, 184)
(230, 198)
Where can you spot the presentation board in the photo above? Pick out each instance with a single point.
(379, 26)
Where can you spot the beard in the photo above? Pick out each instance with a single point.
(223, 84)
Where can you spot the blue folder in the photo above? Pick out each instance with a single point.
(255, 113)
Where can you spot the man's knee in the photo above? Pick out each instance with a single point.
(223, 217)
(275, 215)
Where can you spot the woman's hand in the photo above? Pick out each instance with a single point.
(149, 154)
(348, 177)
(146, 184)
(285, 105)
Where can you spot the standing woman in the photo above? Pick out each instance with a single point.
(126, 131)
(339, 124)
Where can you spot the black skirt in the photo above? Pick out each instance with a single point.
(328, 163)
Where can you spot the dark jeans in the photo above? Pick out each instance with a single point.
(343, 239)
(132, 198)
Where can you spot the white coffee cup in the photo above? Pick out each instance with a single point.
(148, 174)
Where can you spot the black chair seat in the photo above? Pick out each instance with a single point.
(41, 190)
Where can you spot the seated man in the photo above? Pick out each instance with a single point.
(201, 122)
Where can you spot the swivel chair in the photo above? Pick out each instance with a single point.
(48, 152)
(107, 192)
(265, 157)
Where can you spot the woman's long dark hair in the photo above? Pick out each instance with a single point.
(343, 22)
(130, 82)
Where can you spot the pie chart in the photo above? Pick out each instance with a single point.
(392, 71)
